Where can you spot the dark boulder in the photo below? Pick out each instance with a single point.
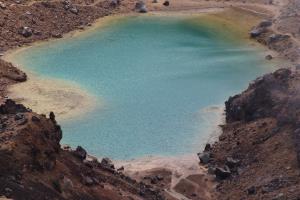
(232, 163)
(140, 6)
(52, 116)
(143, 9)
(166, 3)
(222, 173)
(107, 163)
(25, 31)
(204, 157)
(10, 107)
(269, 57)
(207, 147)
(255, 32)
(19, 116)
(74, 10)
(265, 23)
(80, 153)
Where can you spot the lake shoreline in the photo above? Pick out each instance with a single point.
(92, 28)
(211, 15)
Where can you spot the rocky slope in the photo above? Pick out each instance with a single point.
(258, 153)
(257, 156)
(9, 75)
(38, 20)
(282, 32)
(34, 166)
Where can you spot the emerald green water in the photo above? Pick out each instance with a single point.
(156, 75)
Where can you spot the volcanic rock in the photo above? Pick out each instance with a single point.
(25, 31)
(222, 173)
(80, 153)
(2, 5)
(166, 3)
(74, 10)
(204, 157)
(107, 163)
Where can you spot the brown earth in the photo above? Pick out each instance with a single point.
(260, 141)
(34, 166)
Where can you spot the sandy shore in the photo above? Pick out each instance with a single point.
(66, 99)
(176, 172)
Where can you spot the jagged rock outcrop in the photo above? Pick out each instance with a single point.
(7, 70)
(258, 153)
(33, 166)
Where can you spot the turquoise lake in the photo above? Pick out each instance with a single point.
(156, 75)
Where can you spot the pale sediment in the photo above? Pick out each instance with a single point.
(66, 99)
(174, 174)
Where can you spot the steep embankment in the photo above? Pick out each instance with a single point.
(33, 165)
(258, 155)
(9, 75)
